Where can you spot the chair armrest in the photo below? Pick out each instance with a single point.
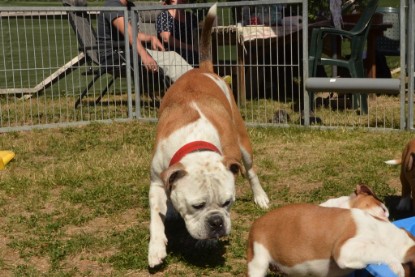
(333, 31)
(116, 44)
(112, 45)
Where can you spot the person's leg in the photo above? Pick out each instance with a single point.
(172, 64)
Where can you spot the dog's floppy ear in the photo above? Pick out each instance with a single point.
(172, 174)
(363, 189)
(233, 165)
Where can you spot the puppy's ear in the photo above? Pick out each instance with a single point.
(363, 189)
(233, 165)
(172, 174)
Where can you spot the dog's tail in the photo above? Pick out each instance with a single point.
(206, 40)
(394, 162)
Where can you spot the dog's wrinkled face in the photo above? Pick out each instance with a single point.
(202, 189)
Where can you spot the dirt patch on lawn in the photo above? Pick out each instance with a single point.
(9, 257)
(89, 264)
(104, 224)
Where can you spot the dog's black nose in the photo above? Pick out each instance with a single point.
(216, 226)
(215, 222)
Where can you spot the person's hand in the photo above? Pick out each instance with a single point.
(149, 63)
(156, 44)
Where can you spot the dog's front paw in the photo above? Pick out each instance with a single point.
(157, 251)
(261, 199)
(404, 204)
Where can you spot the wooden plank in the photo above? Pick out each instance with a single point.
(50, 79)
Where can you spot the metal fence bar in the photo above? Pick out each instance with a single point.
(137, 112)
(402, 60)
(410, 62)
(363, 85)
(128, 64)
(306, 95)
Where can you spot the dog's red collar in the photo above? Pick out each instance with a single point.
(190, 147)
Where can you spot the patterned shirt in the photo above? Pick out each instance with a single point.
(182, 31)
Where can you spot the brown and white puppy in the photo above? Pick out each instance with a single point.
(310, 240)
(407, 176)
(362, 198)
(200, 143)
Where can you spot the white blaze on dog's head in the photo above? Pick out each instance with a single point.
(201, 188)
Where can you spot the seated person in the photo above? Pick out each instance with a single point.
(111, 32)
(175, 28)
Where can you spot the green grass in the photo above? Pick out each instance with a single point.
(74, 201)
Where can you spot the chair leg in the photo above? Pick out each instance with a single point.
(104, 91)
(363, 103)
(358, 99)
(84, 92)
(355, 100)
(311, 73)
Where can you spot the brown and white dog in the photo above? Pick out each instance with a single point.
(362, 198)
(407, 176)
(310, 240)
(200, 143)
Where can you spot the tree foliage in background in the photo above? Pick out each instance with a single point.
(318, 9)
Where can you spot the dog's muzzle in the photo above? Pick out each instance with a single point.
(216, 226)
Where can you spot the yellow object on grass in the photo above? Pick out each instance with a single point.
(5, 158)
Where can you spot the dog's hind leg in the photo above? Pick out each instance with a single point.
(259, 262)
(260, 197)
(405, 202)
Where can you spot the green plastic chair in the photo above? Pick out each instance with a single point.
(354, 63)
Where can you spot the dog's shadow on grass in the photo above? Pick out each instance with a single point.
(201, 253)
(391, 202)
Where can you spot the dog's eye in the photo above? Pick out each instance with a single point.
(199, 206)
(227, 203)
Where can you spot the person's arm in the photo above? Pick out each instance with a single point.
(166, 37)
(148, 62)
(164, 31)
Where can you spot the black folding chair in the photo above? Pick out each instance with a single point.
(88, 44)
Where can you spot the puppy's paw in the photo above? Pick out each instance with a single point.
(157, 251)
(397, 268)
(404, 204)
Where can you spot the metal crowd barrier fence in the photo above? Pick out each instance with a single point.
(49, 78)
